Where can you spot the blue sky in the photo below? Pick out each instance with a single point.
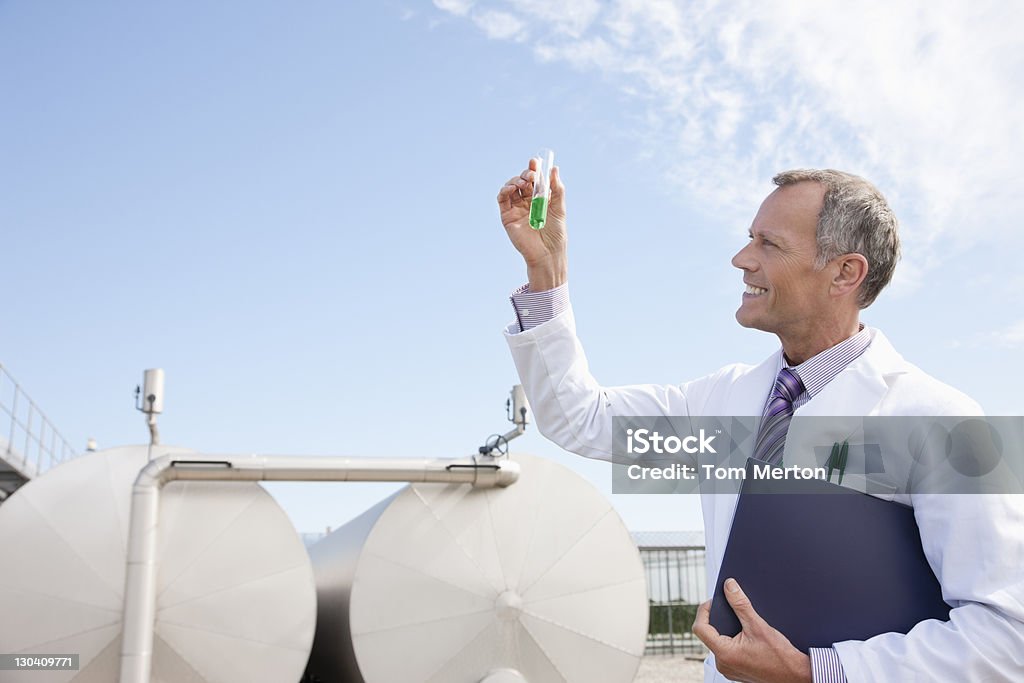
(290, 206)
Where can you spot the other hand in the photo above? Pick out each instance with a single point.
(758, 653)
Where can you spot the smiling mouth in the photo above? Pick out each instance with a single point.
(754, 291)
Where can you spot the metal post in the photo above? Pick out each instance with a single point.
(14, 419)
(28, 434)
(668, 597)
(53, 444)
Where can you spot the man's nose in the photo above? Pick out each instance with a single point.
(743, 260)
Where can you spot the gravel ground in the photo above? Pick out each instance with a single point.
(669, 669)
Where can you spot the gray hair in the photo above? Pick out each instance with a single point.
(854, 218)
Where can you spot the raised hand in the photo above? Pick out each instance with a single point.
(544, 251)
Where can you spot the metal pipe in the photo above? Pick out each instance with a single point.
(495, 445)
(154, 433)
(141, 570)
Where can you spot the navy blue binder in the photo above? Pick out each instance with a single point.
(823, 564)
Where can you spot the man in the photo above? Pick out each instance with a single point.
(822, 246)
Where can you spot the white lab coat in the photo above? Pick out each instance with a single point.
(974, 543)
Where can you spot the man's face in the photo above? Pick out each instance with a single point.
(785, 294)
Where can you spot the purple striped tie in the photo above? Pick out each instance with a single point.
(771, 436)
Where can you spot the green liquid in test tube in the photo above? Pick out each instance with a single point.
(541, 189)
(538, 212)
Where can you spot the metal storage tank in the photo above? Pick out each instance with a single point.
(236, 592)
(539, 582)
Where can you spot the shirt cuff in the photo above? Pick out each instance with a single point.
(825, 666)
(536, 308)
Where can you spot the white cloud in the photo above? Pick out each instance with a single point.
(1012, 336)
(500, 25)
(923, 98)
(570, 17)
(457, 7)
(1009, 337)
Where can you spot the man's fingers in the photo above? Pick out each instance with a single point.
(703, 629)
(524, 181)
(741, 605)
(703, 615)
(521, 186)
(521, 181)
(506, 194)
(513, 189)
(557, 193)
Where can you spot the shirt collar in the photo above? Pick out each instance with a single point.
(820, 369)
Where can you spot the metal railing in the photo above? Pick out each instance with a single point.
(33, 444)
(675, 587)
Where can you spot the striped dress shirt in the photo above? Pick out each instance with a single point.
(536, 308)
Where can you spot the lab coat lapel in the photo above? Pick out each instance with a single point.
(860, 387)
(749, 391)
(856, 392)
(747, 396)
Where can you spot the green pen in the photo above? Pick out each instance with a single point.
(842, 460)
(541, 189)
(833, 459)
(837, 459)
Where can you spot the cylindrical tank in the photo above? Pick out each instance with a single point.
(450, 584)
(236, 597)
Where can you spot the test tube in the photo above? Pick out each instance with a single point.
(541, 189)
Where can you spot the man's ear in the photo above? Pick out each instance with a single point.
(850, 271)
